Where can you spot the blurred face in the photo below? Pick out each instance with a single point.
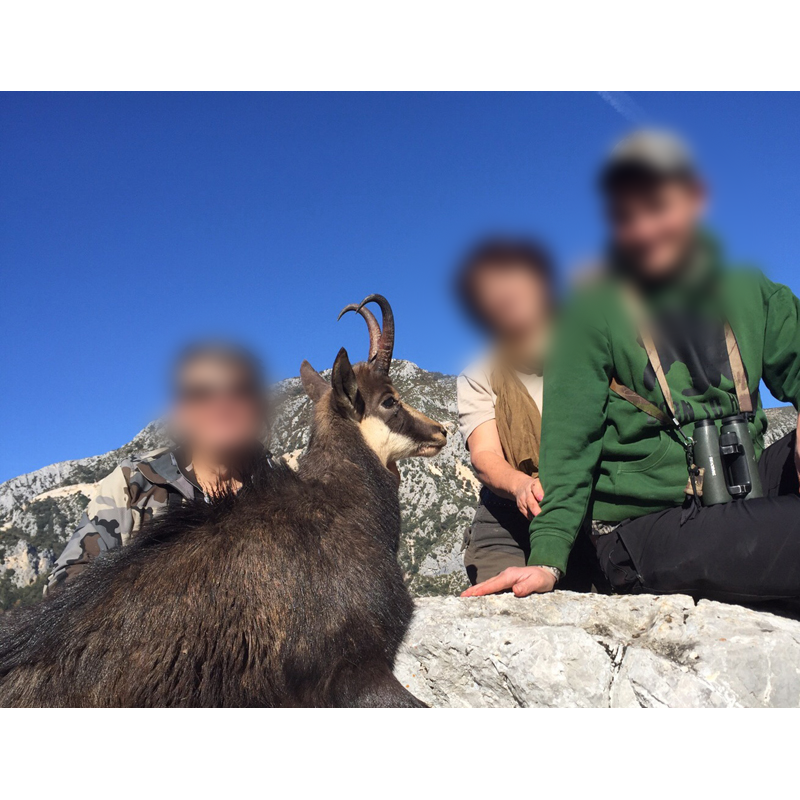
(513, 300)
(653, 224)
(218, 408)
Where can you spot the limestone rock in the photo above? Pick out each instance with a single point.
(27, 564)
(590, 651)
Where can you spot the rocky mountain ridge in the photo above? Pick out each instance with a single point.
(39, 510)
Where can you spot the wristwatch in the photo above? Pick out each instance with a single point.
(554, 571)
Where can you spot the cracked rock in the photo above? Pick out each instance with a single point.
(590, 651)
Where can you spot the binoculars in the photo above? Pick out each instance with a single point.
(728, 460)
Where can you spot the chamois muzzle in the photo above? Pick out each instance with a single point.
(437, 440)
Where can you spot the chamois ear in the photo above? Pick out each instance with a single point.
(345, 388)
(314, 384)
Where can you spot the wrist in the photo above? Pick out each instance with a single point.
(520, 482)
(549, 548)
(554, 571)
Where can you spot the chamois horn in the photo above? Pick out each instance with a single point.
(383, 358)
(372, 325)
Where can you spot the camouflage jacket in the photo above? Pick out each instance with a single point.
(133, 493)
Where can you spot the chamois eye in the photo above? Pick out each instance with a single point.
(389, 402)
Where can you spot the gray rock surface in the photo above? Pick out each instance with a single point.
(593, 651)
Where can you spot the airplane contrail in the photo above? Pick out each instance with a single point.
(625, 106)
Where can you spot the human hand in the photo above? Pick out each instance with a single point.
(521, 580)
(529, 493)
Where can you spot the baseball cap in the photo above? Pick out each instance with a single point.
(648, 152)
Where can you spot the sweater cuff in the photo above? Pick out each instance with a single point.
(549, 550)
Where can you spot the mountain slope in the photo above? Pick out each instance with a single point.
(38, 511)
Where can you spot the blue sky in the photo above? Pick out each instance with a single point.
(132, 222)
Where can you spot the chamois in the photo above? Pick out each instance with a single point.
(286, 594)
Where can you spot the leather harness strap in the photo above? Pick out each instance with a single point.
(734, 358)
(637, 400)
(738, 371)
(694, 486)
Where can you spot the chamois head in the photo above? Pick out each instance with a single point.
(364, 394)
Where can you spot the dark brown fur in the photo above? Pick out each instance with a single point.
(288, 594)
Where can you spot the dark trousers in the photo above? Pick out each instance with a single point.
(499, 537)
(743, 551)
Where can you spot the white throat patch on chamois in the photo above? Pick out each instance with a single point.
(387, 444)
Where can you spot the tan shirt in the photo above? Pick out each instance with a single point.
(476, 399)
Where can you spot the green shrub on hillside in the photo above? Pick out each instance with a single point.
(12, 596)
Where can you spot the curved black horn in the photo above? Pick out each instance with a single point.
(383, 359)
(372, 325)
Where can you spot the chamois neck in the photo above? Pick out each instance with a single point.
(337, 451)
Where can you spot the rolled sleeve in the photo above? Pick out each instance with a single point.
(475, 403)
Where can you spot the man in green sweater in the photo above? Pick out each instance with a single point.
(669, 335)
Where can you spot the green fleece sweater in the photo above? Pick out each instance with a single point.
(601, 456)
